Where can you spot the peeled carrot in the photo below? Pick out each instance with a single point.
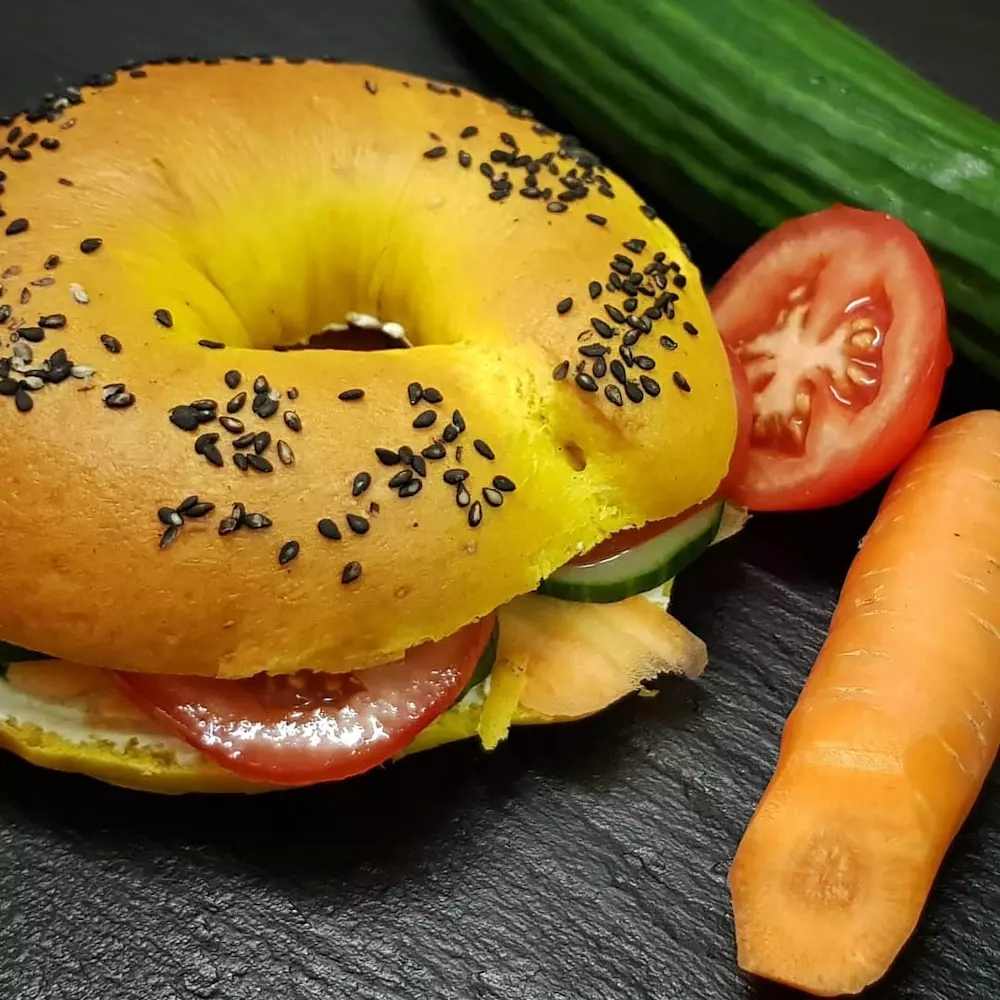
(893, 735)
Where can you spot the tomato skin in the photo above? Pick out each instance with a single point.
(321, 728)
(847, 254)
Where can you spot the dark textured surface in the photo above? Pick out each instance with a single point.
(579, 862)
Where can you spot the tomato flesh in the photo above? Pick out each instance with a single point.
(309, 727)
(839, 322)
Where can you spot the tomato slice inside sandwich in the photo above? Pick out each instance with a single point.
(310, 727)
(839, 322)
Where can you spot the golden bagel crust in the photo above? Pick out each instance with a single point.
(255, 204)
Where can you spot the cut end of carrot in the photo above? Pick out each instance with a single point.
(829, 880)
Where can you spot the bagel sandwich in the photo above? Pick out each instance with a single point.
(238, 562)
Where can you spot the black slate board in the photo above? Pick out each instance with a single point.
(577, 862)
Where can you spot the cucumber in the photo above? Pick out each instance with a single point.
(744, 113)
(485, 663)
(640, 569)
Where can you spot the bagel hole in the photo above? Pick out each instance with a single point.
(354, 338)
(575, 456)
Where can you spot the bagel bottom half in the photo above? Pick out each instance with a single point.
(103, 737)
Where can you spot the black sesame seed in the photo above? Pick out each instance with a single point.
(464, 158)
(425, 419)
(690, 328)
(410, 489)
(633, 391)
(200, 509)
(468, 132)
(435, 152)
(493, 497)
(54, 321)
(352, 572)
(651, 386)
(232, 424)
(358, 524)
(484, 449)
(419, 465)
(236, 403)
(560, 371)
(93, 243)
(259, 463)
(163, 317)
(622, 267)
(475, 515)
(600, 368)
(186, 504)
(602, 328)
(371, 86)
(361, 483)
(648, 211)
(261, 384)
(205, 441)
(405, 454)
(350, 395)
(264, 406)
(400, 478)
(292, 393)
(169, 516)
(209, 405)
(616, 314)
(630, 305)
(500, 156)
(256, 521)
(504, 484)
(213, 455)
(595, 289)
(487, 170)
(328, 529)
(594, 350)
(554, 207)
(680, 281)
(14, 134)
(586, 382)
(436, 451)
(19, 155)
(508, 140)
(212, 345)
(32, 334)
(462, 497)
(614, 394)
(187, 418)
(631, 338)
(681, 382)
(432, 395)
(636, 246)
(241, 461)
(387, 457)
(169, 536)
(668, 342)
(292, 420)
(598, 220)
(618, 370)
(450, 433)
(564, 306)
(414, 392)
(285, 454)
(615, 281)
(458, 420)
(51, 262)
(455, 476)
(233, 378)
(643, 361)
(261, 442)
(5, 312)
(287, 553)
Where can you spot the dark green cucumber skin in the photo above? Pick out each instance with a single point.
(745, 113)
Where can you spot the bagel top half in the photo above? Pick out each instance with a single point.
(172, 210)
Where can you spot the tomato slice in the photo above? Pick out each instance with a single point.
(839, 322)
(629, 538)
(310, 727)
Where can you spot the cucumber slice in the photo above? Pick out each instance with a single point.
(16, 654)
(639, 569)
(485, 663)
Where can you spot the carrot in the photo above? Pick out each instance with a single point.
(892, 736)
